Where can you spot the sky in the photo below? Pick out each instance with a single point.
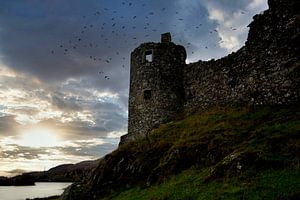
(64, 68)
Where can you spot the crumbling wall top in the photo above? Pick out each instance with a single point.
(166, 37)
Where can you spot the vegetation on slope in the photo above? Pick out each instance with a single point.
(221, 154)
(224, 153)
(269, 184)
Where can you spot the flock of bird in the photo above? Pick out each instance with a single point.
(113, 26)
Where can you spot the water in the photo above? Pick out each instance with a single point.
(38, 191)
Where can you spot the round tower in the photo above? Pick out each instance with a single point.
(156, 87)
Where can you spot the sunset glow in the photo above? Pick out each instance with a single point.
(65, 68)
(39, 137)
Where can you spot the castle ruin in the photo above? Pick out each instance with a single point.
(266, 71)
(156, 85)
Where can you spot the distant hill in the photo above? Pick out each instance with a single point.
(65, 173)
(20, 180)
(62, 173)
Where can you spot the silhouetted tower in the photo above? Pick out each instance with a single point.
(156, 91)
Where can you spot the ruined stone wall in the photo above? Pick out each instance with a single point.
(265, 71)
(156, 87)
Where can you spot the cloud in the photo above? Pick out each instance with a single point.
(78, 113)
(16, 172)
(8, 125)
(231, 24)
(215, 28)
(16, 156)
(32, 31)
(32, 101)
(66, 66)
(258, 4)
(59, 101)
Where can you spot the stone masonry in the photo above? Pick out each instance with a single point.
(266, 71)
(156, 85)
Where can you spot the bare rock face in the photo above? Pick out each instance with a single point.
(263, 72)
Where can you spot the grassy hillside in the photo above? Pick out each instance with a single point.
(225, 153)
(269, 184)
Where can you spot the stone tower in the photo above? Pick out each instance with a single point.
(156, 87)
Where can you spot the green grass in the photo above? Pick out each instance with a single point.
(188, 185)
(199, 154)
